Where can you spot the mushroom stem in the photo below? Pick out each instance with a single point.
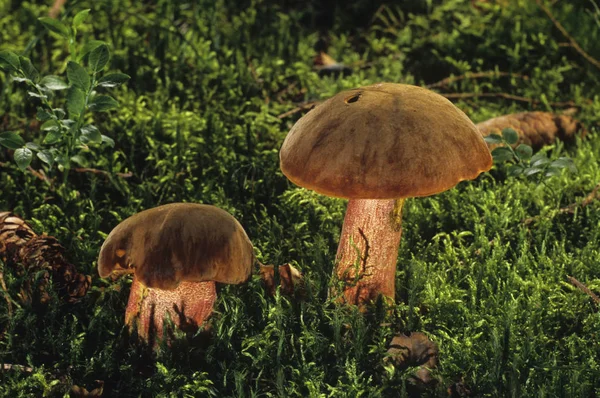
(368, 249)
(189, 306)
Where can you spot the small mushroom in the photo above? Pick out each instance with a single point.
(177, 252)
(376, 146)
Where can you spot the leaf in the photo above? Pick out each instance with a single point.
(50, 125)
(539, 159)
(80, 160)
(532, 170)
(55, 26)
(524, 151)
(552, 171)
(510, 136)
(90, 133)
(502, 154)
(46, 157)
(29, 70)
(103, 103)
(564, 163)
(42, 115)
(89, 46)
(493, 139)
(78, 76)
(53, 137)
(99, 58)
(52, 82)
(23, 157)
(9, 61)
(108, 141)
(59, 112)
(33, 146)
(113, 80)
(75, 102)
(515, 170)
(80, 18)
(11, 140)
(61, 159)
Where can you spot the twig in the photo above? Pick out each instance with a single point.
(300, 108)
(584, 289)
(22, 368)
(103, 172)
(56, 7)
(39, 175)
(507, 96)
(566, 34)
(589, 198)
(479, 75)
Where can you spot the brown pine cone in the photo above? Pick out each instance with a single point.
(42, 256)
(535, 129)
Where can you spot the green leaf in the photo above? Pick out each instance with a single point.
(90, 133)
(78, 76)
(75, 102)
(103, 103)
(9, 61)
(99, 58)
(33, 146)
(493, 139)
(80, 18)
(23, 157)
(53, 137)
(46, 157)
(52, 82)
(11, 140)
(552, 171)
(532, 170)
(515, 170)
(539, 159)
(108, 141)
(524, 152)
(29, 70)
(89, 46)
(502, 154)
(113, 80)
(80, 160)
(59, 112)
(61, 159)
(510, 136)
(50, 125)
(564, 163)
(55, 26)
(42, 115)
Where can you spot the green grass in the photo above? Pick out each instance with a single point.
(199, 122)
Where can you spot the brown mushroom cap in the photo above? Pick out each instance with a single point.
(384, 141)
(178, 242)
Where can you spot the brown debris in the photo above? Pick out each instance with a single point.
(535, 129)
(290, 279)
(82, 392)
(414, 349)
(41, 256)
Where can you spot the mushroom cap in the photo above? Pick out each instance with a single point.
(383, 141)
(178, 242)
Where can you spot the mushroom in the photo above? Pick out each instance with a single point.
(177, 252)
(376, 146)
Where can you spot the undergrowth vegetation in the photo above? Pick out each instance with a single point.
(482, 268)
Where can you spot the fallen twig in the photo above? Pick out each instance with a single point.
(103, 172)
(300, 108)
(478, 75)
(21, 368)
(566, 34)
(589, 198)
(584, 289)
(509, 97)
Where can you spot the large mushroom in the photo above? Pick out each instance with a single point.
(177, 252)
(377, 145)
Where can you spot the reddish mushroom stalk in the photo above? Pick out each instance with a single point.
(368, 249)
(189, 306)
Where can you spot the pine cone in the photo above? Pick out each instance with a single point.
(535, 129)
(42, 256)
